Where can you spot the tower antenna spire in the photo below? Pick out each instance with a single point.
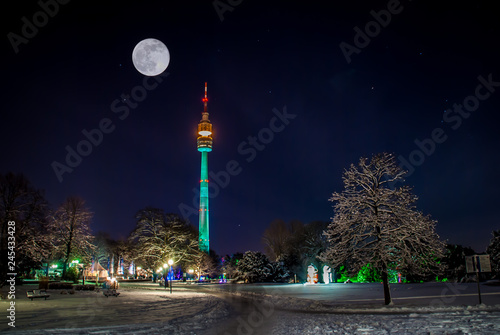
(205, 100)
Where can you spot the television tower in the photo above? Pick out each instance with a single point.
(204, 143)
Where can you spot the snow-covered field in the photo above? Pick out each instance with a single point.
(432, 322)
(84, 312)
(148, 309)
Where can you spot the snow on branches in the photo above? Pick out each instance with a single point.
(70, 231)
(159, 236)
(494, 251)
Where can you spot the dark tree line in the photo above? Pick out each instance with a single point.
(63, 234)
(294, 245)
(24, 205)
(375, 228)
(40, 234)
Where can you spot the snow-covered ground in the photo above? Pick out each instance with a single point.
(432, 322)
(282, 315)
(265, 309)
(134, 310)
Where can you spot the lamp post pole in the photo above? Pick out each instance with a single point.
(165, 277)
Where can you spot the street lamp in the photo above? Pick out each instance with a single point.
(170, 262)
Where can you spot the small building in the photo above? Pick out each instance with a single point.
(96, 272)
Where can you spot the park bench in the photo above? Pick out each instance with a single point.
(33, 294)
(109, 292)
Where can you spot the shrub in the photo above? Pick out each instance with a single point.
(43, 282)
(84, 287)
(60, 286)
(71, 275)
(368, 274)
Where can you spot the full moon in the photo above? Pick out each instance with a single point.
(150, 57)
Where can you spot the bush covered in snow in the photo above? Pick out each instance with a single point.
(254, 267)
(494, 252)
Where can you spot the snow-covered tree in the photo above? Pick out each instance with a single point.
(229, 264)
(26, 206)
(70, 230)
(494, 251)
(454, 261)
(254, 267)
(159, 237)
(206, 265)
(379, 225)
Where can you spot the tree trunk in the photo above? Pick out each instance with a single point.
(387, 289)
(68, 252)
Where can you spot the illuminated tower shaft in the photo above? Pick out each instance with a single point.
(204, 236)
(204, 143)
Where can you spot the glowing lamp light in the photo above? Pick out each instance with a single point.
(205, 132)
(170, 262)
(165, 266)
(191, 270)
(54, 266)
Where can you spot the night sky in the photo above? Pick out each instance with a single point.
(261, 57)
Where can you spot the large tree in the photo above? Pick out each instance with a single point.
(207, 265)
(275, 239)
(104, 247)
(159, 237)
(294, 245)
(26, 208)
(70, 228)
(313, 242)
(378, 224)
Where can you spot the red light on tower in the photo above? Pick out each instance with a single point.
(205, 99)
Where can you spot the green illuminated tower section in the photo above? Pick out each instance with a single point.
(204, 144)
